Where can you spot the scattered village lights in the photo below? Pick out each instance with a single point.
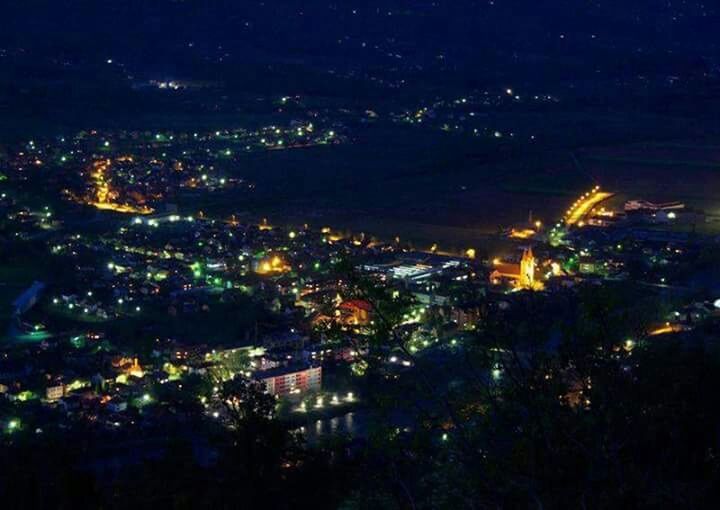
(295, 282)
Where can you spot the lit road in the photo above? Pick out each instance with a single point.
(582, 207)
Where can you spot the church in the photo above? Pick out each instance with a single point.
(521, 275)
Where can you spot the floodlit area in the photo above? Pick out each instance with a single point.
(583, 206)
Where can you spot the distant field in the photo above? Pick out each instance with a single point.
(430, 187)
(675, 170)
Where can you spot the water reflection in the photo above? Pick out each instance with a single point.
(347, 424)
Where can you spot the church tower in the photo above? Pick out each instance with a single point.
(527, 269)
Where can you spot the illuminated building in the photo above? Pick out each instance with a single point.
(645, 206)
(527, 269)
(291, 380)
(55, 392)
(522, 275)
(271, 265)
(135, 369)
(355, 312)
(525, 233)
(129, 367)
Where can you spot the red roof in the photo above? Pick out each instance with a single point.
(357, 303)
(507, 269)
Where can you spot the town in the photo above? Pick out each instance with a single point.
(382, 255)
(150, 305)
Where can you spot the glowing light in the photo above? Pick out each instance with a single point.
(273, 265)
(522, 234)
(582, 207)
(664, 330)
(103, 196)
